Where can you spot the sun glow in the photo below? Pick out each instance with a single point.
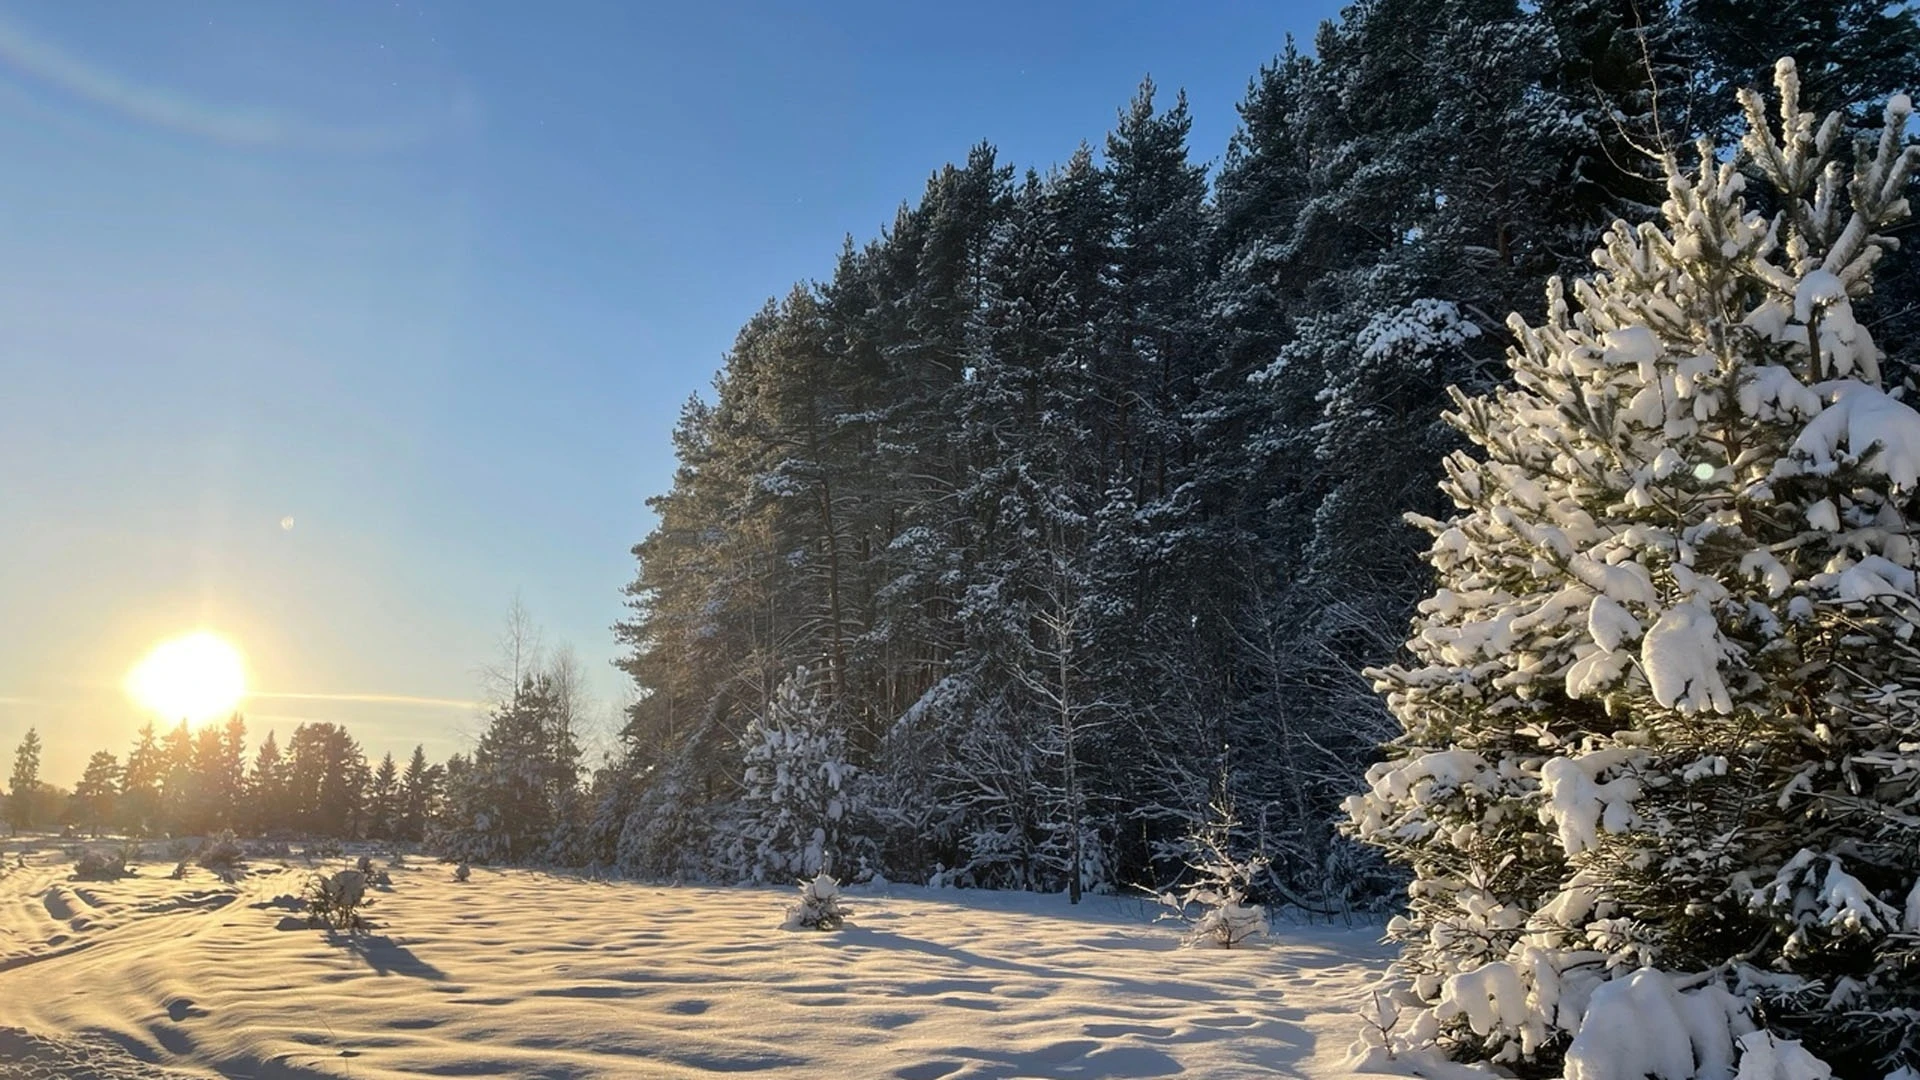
(194, 678)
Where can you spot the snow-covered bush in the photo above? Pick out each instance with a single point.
(1658, 780)
(222, 855)
(335, 900)
(820, 906)
(1218, 884)
(97, 865)
(795, 787)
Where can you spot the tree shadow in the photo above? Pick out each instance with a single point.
(853, 933)
(387, 956)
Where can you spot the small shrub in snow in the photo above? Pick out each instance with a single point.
(179, 871)
(222, 855)
(819, 906)
(335, 899)
(364, 864)
(94, 865)
(462, 872)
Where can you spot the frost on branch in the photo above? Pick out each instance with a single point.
(1659, 786)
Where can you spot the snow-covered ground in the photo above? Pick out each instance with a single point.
(519, 973)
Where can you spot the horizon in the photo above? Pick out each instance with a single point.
(334, 331)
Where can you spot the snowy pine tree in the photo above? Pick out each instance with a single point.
(1659, 767)
(794, 806)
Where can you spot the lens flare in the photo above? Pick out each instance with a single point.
(194, 678)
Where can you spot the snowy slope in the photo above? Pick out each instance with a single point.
(518, 973)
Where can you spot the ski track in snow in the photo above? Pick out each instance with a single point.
(524, 974)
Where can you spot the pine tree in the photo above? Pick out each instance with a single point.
(1657, 714)
(96, 796)
(419, 793)
(140, 784)
(266, 787)
(383, 796)
(327, 779)
(501, 809)
(228, 775)
(179, 788)
(25, 781)
(794, 804)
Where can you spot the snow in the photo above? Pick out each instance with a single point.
(1681, 655)
(1610, 624)
(1632, 345)
(1818, 290)
(1579, 804)
(1821, 515)
(1643, 1025)
(1491, 997)
(1862, 418)
(1774, 394)
(522, 973)
(1763, 1057)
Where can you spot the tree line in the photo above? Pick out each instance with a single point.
(194, 781)
(1071, 505)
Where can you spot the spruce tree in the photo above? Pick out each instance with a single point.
(96, 796)
(419, 786)
(794, 806)
(267, 789)
(1656, 780)
(25, 781)
(140, 784)
(383, 796)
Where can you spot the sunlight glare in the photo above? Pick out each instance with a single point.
(194, 678)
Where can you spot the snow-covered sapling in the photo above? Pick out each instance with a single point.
(820, 906)
(1217, 885)
(335, 899)
(797, 782)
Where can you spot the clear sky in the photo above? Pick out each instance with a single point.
(432, 280)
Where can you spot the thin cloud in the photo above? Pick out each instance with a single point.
(370, 699)
(162, 108)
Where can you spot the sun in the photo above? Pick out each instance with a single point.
(194, 678)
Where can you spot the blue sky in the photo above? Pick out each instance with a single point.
(432, 280)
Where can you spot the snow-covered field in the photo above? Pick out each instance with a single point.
(519, 973)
